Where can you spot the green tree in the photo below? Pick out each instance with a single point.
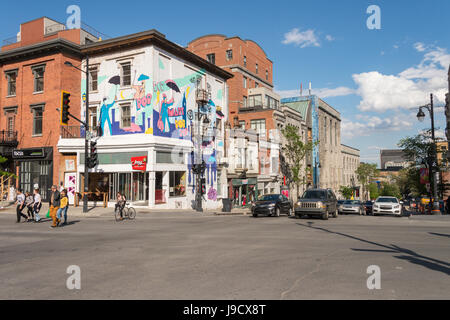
(4, 173)
(365, 173)
(295, 151)
(347, 192)
(373, 191)
(390, 190)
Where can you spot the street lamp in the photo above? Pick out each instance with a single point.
(86, 130)
(433, 172)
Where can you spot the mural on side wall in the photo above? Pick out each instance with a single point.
(159, 109)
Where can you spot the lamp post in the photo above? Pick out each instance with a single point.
(433, 165)
(86, 129)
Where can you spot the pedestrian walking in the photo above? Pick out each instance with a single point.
(54, 203)
(37, 205)
(447, 206)
(64, 206)
(29, 201)
(20, 202)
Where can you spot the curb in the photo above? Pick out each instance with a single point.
(230, 213)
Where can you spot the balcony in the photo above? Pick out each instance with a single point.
(8, 138)
(202, 96)
(72, 132)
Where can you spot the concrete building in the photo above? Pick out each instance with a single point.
(33, 75)
(350, 163)
(393, 158)
(323, 126)
(147, 95)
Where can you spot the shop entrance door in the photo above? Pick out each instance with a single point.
(159, 192)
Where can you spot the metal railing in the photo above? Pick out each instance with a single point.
(8, 138)
(72, 132)
(10, 41)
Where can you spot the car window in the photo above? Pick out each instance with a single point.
(352, 202)
(314, 194)
(269, 197)
(387, 200)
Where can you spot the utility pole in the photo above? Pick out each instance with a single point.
(86, 141)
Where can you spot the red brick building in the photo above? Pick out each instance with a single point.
(252, 102)
(33, 75)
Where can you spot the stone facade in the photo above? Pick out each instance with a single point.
(350, 162)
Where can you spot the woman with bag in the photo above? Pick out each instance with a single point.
(37, 205)
(29, 201)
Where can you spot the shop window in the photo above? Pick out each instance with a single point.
(177, 183)
(38, 73)
(11, 77)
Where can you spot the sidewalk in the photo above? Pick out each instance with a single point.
(99, 211)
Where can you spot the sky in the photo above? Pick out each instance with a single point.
(376, 78)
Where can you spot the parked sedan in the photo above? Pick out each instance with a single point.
(352, 206)
(387, 205)
(272, 205)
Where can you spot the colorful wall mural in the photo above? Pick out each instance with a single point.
(157, 102)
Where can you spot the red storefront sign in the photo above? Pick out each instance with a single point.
(139, 163)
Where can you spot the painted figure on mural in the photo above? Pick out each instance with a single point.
(163, 122)
(142, 100)
(104, 114)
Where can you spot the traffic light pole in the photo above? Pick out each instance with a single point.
(86, 141)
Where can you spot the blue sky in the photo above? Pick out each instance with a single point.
(373, 77)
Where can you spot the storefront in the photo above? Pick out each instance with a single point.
(35, 169)
(244, 191)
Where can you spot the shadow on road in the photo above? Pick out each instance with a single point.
(409, 255)
(69, 223)
(440, 234)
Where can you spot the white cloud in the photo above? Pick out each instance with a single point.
(329, 38)
(322, 92)
(410, 88)
(371, 125)
(382, 53)
(374, 148)
(303, 39)
(419, 46)
(396, 46)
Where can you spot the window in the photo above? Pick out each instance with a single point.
(211, 58)
(177, 183)
(10, 125)
(38, 112)
(229, 54)
(259, 126)
(242, 125)
(126, 74)
(245, 82)
(267, 74)
(271, 103)
(325, 130)
(38, 73)
(93, 118)
(245, 102)
(256, 84)
(125, 121)
(256, 68)
(245, 61)
(93, 80)
(255, 101)
(11, 78)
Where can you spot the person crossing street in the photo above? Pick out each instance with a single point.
(54, 203)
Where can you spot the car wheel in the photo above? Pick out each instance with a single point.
(335, 214)
(277, 212)
(290, 212)
(255, 215)
(325, 215)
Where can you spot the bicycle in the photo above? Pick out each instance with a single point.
(128, 212)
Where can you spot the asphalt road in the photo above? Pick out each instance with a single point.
(190, 256)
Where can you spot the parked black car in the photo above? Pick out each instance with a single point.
(368, 205)
(317, 202)
(272, 205)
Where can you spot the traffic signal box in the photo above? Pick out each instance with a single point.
(65, 106)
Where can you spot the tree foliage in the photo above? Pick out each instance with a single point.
(390, 190)
(365, 173)
(347, 192)
(373, 191)
(419, 148)
(295, 151)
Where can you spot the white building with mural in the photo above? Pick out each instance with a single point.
(144, 95)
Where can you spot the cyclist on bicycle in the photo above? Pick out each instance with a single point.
(121, 201)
